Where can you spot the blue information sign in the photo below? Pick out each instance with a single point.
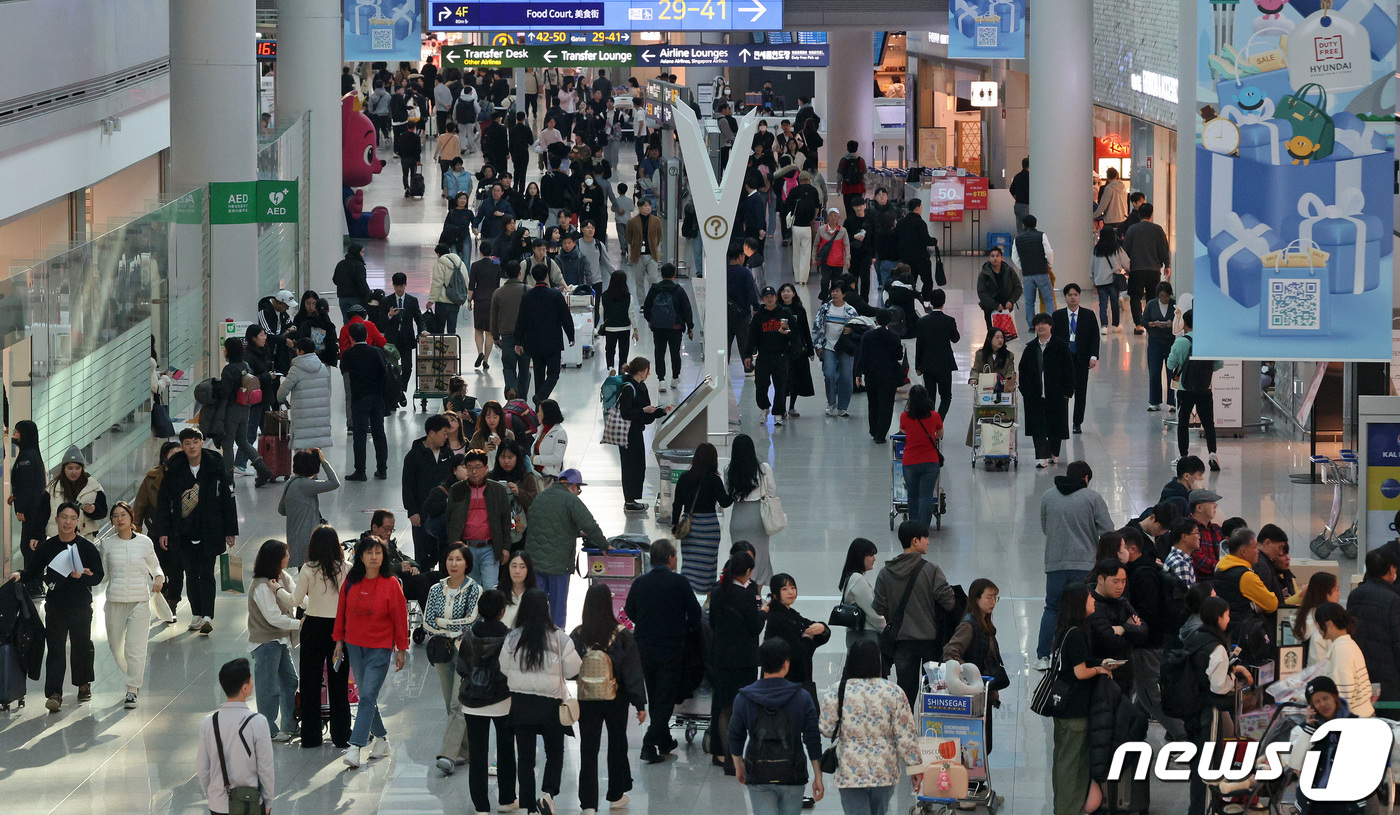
(608, 15)
(785, 56)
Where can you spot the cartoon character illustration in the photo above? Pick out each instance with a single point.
(1270, 8)
(1250, 98)
(1302, 148)
(359, 163)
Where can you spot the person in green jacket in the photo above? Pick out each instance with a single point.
(557, 518)
(1193, 390)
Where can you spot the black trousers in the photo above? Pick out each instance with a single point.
(68, 621)
(532, 105)
(909, 659)
(771, 368)
(669, 340)
(426, 548)
(406, 358)
(408, 169)
(940, 388)
(618, 343)
(478, 731)
(317, 647)
(923, 273)
(1204, 403)
(1142, 283)
(662, 678)
(546, 373)
(367, 418)
(553, 736)
(634, 468)
(592, 717)
(728, 682)
(738, 332)
(880, 394)
(1081, 390)
(521, 162)
(1045, 448)
(199, 559)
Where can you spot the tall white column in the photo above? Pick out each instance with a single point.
(309, 56)
(1062, 133)
(850, 98)
(214, 132)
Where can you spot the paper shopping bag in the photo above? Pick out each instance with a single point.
(231, 574)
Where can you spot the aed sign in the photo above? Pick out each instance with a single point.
(251, 202)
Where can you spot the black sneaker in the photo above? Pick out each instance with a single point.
(380, 475)
(651, 756)
(85, 693)
(358, 475)
(808, 803)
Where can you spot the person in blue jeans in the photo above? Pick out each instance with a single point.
(371, 628)
(838, 368)
(1072, 516)
(271, 628)
(1032, 254)
(923, 429)
(775, 786)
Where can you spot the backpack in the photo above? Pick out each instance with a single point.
(899, 323)
(1195, 375)
(612, 390)
(1183, 695)
(456, 290)
(465, 112)
(249, 390)
(663, 309)
(391, 352)
(519, 411)
(850, 172)
(596, 682)
(774, 754)
(690, 225)
(207, 392)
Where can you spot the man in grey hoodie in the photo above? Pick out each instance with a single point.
(1072, 516)
(917, 638)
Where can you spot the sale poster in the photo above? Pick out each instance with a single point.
(384, 30)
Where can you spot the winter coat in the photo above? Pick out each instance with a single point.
(994, 289)
(786, 624)
(627, 665)
(561, 661)
(548, 453)
(307, 386)
(1103, 643)
(91, 493)
(919, 622)
(1113, 720)
(213, 518)
(1047, 416)
(442, 273)
(556, 518)
(878, 736)
(481, 646)
(129, 566)
(301, 506)
(27, 485)
(497, 499)
(1072, 517)
(146, 496)
(309, 324)
(1376, 607)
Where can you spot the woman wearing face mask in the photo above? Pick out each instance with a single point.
(260, 361)
(132, 573)
(73, 485)
(313, 320)
(27, 493)
(593, 206)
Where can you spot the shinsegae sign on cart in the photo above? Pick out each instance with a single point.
(253, 202)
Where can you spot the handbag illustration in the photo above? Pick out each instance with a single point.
(1295, 300)
(1314, 132)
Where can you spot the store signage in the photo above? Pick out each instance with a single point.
(523, 56)
(699, 56)
(608, 15)
(974, 192)
(987, 29)
(984, 94)
(1154, 84)
(267, 49)
(252, 202)
(1112, 146)
(383, 30)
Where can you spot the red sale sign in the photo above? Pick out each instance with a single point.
(974, 192)
(946, 200)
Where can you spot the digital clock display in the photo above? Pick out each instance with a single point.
(604, 18)
(267, 49)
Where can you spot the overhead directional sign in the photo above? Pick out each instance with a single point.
(524, 56)
(791, 56)
(607, 15)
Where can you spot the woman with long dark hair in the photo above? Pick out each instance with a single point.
(975, 641)
(923, 429)
(517, 577)
(1110, 265)
(804, 636)
(72, 485)
(619, 326)
(27, 493)
(1322, 588)
(801, 352)
(600, 632)
(371, 626)
(262, 361)
(538, 659)
(132, 573)
(736, 620)
(314, 320)
(699, 493)
(232, 437)
(513, 470)
(996, 357)
(749, 481)
(318, 593)
(634, 403)
(491, 427)
(1070, 763)
(857, 587)
(273, 632)
(459, 425)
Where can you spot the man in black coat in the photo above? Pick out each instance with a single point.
(197, 517)
(495, 144)
(540, 330)
(879, 362)
(1148, 590)
(521, 137)
(426, 465)
(351, 281)
(914, 241)
(665, 612)
(1045, 378)
(373, 392)
(1079, 328)
(1115, 628)
(1376, 606)
(400, 320)
(936, 333)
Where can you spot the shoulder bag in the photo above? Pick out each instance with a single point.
(829, 760)
(770, 509)
(847, 614)
(568, 706)
(241, 800)
(890, 635)
(1052, 692)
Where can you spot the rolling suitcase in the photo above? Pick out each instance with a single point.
(276, 452)
(12, 678)
(416, 185)
(1126, 795)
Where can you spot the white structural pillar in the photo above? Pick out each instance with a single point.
(309, 56)
(1062, 132)
(849, 113)
(214, 132)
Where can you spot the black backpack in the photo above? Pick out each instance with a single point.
(690, 225)
(1195, 374)
(850, 171)
(465, 112)
(1183, 693)
(774, 754)
(663, 309)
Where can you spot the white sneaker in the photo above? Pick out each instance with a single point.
(1154, 408)
(831, 410)
(590, 811)
(197, 623)
(661, 386)
(284, 737)
(1042, 664)
(777, 421)
(1042, 463)
(676, 384)
(763, 417)
(621, 803)
(352, 757)
(1103, 331)
(843, 414)
(378, 748)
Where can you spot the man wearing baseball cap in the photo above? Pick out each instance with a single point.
(275, 317)
(1202, 505)
(1325, 703)
(768, 338)
(557, 518)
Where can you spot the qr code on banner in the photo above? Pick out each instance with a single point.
(381, 39)
(1294, 304)
(986, 36)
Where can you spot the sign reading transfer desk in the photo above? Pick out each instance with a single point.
(522, 56)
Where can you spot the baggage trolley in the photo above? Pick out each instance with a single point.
(439, 359)
(616, 568)
(955, 727)
(900, 505)
(994, 428)
(693, 715)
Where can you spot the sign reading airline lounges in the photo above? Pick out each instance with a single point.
(693, 56)
(611, 15)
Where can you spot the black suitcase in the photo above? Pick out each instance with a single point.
(416, 185)
(12, 678)
(1126, 795)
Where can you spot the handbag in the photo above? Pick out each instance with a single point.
(440, 649)
(231, 574)
(791, 219)
(616, 428)
(830, 762)
(568, 706)
(241, 800)
(770, 509)
(1002, 319)
(1309, 120)
(847, 615)
(161, 426)
(889, 635)
(681, 528)
(1052, 692)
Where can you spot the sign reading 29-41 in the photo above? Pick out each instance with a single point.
(611, 15)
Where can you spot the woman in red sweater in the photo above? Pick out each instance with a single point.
(923, 429)
(371, 626)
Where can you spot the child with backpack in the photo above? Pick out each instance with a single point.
(485, 698)
(609, 679)
(773, 721)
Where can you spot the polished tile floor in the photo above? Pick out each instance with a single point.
(835, 485)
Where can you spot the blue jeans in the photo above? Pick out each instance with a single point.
(557, 587)
(1041, 283)
(838, 370)
(921, 483)
(1108, 297)
(865, 800)
(345, 304)
(486, 568)
(1156, 364)
(275, 685)
(697, 246)
(371, 668)
(883, 270)
(776, 799)
(517, 367)
(1055, 583)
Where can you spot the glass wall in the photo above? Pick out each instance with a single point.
(281, 251)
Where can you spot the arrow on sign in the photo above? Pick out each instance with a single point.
(757, 8)
(444, 14)
(647, 55)
(549, 57)
(745, 53)
(451, 56)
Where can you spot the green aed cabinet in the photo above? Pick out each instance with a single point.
(253, 202)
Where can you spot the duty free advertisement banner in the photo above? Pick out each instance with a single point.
(383, 30)
(1295, 178)
(987, 29)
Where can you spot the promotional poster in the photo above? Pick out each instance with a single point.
(987, 29)
(1294, 179)
(383, 30)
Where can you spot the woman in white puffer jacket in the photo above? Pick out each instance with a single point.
(133, 573)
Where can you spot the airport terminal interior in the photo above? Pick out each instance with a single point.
(130, 261)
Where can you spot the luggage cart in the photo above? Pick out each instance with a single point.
(439, 359)
(1340, 472)
(994, 429)
(958, 727)
(616, 568)
(581, 310)
(693, 715)
(900, 505)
